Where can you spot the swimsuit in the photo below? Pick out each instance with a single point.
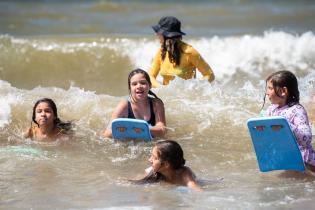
(152, 118)
(297, 118)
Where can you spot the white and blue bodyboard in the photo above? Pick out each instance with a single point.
(126, 128)
(276, 149)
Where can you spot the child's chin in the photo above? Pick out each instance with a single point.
(139, 95)
(140, 98)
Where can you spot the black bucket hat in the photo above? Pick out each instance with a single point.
(168, 26)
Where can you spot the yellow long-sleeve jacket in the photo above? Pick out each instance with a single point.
(190, 60)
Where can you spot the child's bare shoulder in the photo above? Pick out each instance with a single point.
(188, 173)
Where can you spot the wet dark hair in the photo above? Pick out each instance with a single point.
(171, 45)
(147, 78)
(57, 122)
(281, 79)
(169, 151)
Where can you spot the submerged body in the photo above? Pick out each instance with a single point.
(46, 126)
(168, 165)
(140, 105)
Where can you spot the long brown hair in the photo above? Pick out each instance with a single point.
(57, 122)
(281, 79)
(171, 45)
(169, 151)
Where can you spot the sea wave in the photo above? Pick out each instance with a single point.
(247, 55)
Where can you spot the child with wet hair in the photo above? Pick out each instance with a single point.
(46, 125)
(283, 93)
(168, 165)
(142, 104)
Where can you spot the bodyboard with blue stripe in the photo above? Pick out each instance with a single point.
(126, 128)
(275, 144)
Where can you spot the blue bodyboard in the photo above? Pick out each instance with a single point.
(126, 128)
(275, 144)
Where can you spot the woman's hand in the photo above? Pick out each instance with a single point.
(207, 77)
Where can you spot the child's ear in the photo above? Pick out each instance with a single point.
(284, 91)
(167, 164)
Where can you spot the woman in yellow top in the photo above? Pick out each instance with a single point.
(175, 57)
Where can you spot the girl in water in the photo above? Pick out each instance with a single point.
(168, 165)
(46, 126)
(140, 105)
(283, 93)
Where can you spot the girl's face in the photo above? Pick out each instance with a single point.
(139, 87)
(273, 97)
(44, 114)
(155, 160)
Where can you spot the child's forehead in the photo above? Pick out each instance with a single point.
(155, 151)
(43, 104)
(137, 76)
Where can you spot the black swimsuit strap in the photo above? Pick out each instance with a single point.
(152, 117)
(130, 112)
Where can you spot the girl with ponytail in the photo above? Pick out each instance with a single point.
(168, 165)
(142, 104)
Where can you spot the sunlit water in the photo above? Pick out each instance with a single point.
(86, 75)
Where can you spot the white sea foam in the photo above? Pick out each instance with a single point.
(240, 64)
(253, 55)
(250, 54)
(5, 113)
(6, 99)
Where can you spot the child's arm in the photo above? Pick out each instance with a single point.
(120, 111)
(301, 128)
(190, 180)
(194, 185)
(28, 133)
(159, 130)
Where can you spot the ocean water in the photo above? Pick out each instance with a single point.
(79, 53)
